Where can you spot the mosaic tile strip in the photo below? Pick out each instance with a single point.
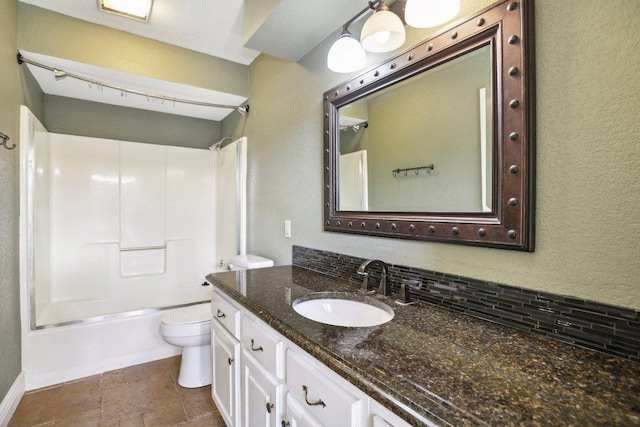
(607, 328)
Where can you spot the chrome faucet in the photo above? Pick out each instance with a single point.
(363, 270)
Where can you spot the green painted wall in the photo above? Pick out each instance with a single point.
(33, 97)
(84, 118)
(10, 100)
(443, 129)
(588, 174)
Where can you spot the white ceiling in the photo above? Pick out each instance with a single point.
(213, 27)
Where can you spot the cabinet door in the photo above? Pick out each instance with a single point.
(296, 415)
(259, 391)
(224, 387)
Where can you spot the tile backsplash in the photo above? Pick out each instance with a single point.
(603, 327)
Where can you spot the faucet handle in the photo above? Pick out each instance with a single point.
(404, 297)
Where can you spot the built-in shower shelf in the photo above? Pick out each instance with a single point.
(143, 248)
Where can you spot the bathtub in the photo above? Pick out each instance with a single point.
(93, 289)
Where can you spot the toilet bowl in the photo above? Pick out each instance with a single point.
(190, 328)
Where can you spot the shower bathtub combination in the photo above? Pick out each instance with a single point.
(113, 233)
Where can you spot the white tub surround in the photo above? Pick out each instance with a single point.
(112, 232)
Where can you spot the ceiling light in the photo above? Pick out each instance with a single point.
(346, 55)
(430, 13)
(134, 9)
(383, 31)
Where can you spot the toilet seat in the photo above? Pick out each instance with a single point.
(190, 328)
(188, 315)
(188, 321)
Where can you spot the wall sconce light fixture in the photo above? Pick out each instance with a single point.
(384, 31)
(346, 54)
(430, 13)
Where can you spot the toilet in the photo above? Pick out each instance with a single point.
(190, 328)
(248, 262)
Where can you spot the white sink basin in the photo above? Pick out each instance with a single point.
(343, 309)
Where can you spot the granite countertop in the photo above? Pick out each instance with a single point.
(450, 368)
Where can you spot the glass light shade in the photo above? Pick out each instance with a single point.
(135, 9)
(430, 13)
(383, 32)
(346, 55)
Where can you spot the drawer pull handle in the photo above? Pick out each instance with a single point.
(269, 407)
(255, 349)
(286, 423)
(316, 403)
(230, 361)
(220, 314)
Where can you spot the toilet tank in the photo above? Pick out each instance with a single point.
(248, 262)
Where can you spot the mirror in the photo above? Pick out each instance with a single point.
(442, 147)
(437, 142)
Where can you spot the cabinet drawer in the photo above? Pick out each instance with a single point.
(379, 416)
(324, 398)
(225, 312)
(261, 344)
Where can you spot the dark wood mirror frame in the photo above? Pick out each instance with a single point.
(507, 26)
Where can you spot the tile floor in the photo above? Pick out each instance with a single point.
(141, 395)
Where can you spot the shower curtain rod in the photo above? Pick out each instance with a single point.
(61, 74)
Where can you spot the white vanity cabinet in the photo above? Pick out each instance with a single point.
(226, 373)
(261, 379)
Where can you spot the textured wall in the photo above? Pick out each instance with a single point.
(443, 129)
(10, 356)
(588, 175)
(84, 118)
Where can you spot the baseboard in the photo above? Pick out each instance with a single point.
(10, 402)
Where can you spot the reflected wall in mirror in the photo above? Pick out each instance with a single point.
(426, 139)
(437, 142)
